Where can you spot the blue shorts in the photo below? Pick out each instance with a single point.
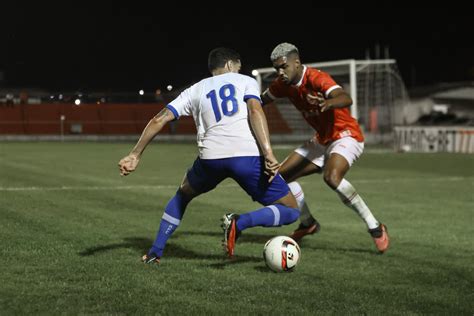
(248, 172)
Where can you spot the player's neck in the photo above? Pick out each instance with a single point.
(299, 75)
(220, 71)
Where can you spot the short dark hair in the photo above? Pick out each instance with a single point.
(218, 57)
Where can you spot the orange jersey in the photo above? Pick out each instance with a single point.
(330, 124)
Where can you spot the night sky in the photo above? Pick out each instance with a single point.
(150, 46)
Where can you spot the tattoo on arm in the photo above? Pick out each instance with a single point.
(165, 115)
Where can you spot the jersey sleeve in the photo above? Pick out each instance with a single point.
(182, 104)
(324, 82)
(275, 90)
(252, 90)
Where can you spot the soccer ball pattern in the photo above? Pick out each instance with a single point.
(281, 254)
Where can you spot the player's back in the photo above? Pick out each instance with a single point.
(218, 105)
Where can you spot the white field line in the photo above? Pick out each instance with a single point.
(174, 186)
(89, 188)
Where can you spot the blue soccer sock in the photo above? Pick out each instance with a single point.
(268, 216)
(171, 219)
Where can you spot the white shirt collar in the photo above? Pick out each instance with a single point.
(302, 76)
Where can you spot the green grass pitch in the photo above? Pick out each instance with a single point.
(72, 233)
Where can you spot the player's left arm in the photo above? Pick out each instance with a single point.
(337, 98)
(130, 162)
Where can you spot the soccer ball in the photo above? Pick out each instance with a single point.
(281, 254)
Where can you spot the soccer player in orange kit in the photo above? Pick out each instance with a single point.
(337, 143)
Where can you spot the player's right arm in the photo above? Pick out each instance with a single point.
(266, 98)
(272, 93)
(130, 162)
(259, 125)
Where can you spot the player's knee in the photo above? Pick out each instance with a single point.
(187, 191)
(332, 178)
(284, 172)
(291, 201)
(296, 189)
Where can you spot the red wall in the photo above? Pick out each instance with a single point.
(276, 123)
(110, 119)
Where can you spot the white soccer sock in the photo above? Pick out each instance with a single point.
(305, 216)
(349, 196)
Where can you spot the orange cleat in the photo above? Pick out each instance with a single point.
(230, 233)
(303, 230)
(380, 236)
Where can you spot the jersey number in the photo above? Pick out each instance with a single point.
(227, 95)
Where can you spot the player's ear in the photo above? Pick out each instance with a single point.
(233, 66)
(238, 65)
(229, 65)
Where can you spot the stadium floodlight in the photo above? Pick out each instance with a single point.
(141, 92)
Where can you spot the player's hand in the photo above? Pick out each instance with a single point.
(271, 166)
(318, 100)
(128, 164)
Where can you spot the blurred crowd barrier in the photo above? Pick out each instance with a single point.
(458, 139)
(101, 119)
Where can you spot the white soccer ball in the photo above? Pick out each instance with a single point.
(281, 254)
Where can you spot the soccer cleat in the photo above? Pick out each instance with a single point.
(229, 226)
(151, 258)
(380, 236)
(303, 230)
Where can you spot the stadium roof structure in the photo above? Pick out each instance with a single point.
(462, 93)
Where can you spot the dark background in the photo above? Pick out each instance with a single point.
(109, 46)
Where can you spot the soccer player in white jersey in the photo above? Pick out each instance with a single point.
(227, 112)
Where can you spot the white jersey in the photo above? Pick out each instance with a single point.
(218, 105)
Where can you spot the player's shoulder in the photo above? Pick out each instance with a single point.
(317, 76)
(229, 76)
(203, 84)
(315, 73)
(242, 77)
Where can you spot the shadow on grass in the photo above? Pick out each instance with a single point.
(244, 238)
(263, 269)
(330, 248)
(234, 260)
(131, 242)
(263, 238)
(172, 250)
(220, 260)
